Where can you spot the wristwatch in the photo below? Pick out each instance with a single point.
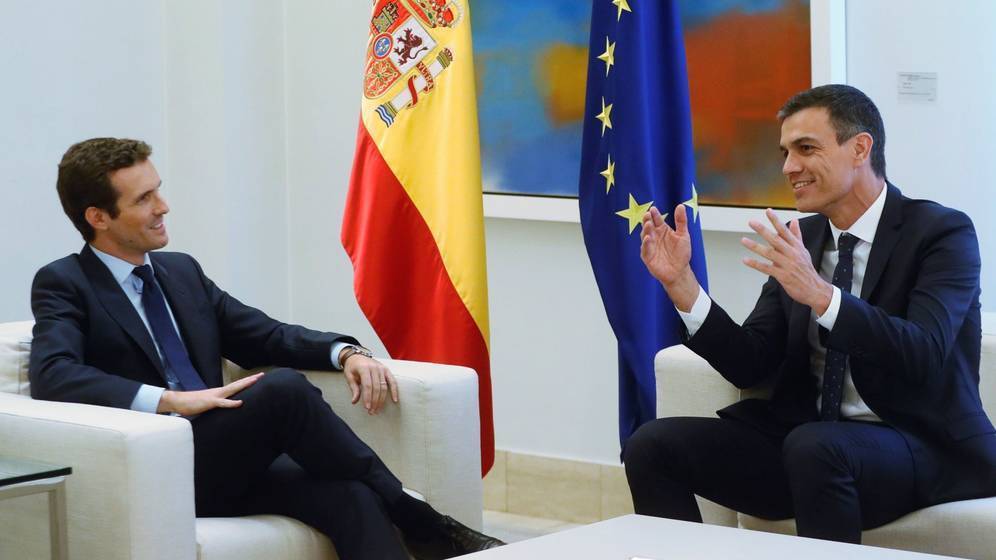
(353, 349)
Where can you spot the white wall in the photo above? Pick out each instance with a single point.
(201, 81)
(70, 72)
(252, 107)
(325, 46)
(225, 118)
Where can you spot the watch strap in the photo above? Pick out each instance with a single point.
(350, 351)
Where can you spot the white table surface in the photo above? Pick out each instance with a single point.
(640, 537)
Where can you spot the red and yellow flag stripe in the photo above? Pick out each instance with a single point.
(414, 225)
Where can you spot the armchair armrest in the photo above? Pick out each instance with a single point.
(688, 386)
(131, 494)
(430, 440)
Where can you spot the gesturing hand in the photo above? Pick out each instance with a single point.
(790, 263)
(667, 253)
(191, 403)
(371, 380)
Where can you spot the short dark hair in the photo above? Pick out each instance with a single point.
(84, 176)
(851, 113)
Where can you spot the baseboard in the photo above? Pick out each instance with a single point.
(537, 486)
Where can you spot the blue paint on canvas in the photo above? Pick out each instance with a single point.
(525, 149)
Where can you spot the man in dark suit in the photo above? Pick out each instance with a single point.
(119, 325)
(868, 332)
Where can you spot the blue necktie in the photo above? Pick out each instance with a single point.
(833, 371)
(174, 355)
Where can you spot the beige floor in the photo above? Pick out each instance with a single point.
(513, 528)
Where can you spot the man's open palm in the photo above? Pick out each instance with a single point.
(666, 252)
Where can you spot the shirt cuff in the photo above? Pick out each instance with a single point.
(147, 399)
(829, 317)
(337, 348)
(697, 314)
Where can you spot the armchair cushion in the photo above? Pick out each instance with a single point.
(261, 537)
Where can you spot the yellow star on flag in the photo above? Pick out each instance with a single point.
(610, 175)
(635, 212)
(694, 203)
(605, 116)
(609, 56)
(623, 5)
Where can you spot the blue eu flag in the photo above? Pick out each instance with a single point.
(637, 152)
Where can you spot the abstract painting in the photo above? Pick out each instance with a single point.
(745, 58)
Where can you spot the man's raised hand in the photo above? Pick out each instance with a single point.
(667, 254)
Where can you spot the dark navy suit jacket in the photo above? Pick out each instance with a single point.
(913, 339)
(90, 345)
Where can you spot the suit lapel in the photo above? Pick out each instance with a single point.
(118, 306)
(886, 237)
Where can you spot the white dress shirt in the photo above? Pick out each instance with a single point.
(852, 406)
(148, 396)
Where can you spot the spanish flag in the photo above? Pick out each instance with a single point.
(414, 219)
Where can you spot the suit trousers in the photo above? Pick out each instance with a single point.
(835, 478)
(284, 451)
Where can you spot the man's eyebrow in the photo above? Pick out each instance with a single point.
(800, 140)
(147, 191)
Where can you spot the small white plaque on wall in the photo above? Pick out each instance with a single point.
(917, 87)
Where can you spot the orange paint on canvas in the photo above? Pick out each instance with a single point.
(738, 78)
(560, 77)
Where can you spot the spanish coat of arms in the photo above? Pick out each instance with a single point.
(403, 47)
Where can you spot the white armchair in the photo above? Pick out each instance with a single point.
(131, 494)
(688, 386)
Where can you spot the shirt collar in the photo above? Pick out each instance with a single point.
(120, 268)
(864, 227)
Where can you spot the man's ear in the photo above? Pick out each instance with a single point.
(863, 143)
(97, 218)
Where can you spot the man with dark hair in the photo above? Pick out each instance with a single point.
(120, 325)
(868, 330)
(84, 177)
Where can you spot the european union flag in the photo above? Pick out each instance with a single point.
(637, 152)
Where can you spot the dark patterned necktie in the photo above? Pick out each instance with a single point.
(174, 355)
(833, 371)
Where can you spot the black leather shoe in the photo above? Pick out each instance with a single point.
(452, 539)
